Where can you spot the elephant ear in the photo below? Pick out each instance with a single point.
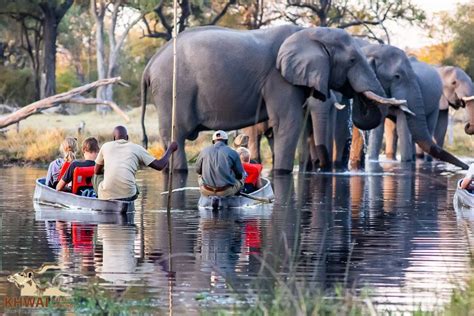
(304, 61)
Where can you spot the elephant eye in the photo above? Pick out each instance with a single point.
(454, 82)
(397, 76)
(353, 60)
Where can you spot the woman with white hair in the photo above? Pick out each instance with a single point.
(253, 170)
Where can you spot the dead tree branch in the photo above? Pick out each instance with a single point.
(71, 96)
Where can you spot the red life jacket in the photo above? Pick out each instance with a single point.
(82, 178)
(253, 172)
(63, 169)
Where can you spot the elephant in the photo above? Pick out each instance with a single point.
(412, 80)
(229, 79)
(458, 91)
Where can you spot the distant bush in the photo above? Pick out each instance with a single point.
(16, 86)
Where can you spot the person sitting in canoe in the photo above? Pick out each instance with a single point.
(253, 170)
(219, 168)
(466, 183)
(68, 149)
(117, 164)
(90, 149)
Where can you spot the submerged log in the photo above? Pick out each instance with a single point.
(72, 96)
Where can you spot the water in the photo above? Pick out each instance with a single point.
(391, 230)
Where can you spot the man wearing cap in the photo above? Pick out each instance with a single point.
(221, 172)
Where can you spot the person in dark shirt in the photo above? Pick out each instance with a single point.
(90, 148)
(219, 168)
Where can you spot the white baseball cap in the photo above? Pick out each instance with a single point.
(220, 135)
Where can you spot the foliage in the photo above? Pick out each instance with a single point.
(16, 86)
(364, 18)
(463, 28)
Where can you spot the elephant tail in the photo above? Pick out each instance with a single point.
(144, 87)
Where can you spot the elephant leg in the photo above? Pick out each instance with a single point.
(390, 139)
(269, 135)
(356, 157)
(322, 116)
(431, 121)
(405, 138)
(375, 142)
(284, 106)
(441, 127)
(342, 135)
(179, 157)
(306, 152)
(286, 140)
(254, 141)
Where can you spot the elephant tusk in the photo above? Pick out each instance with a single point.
(388, 101)
(467, 99)
(405, 109)
(339, 106)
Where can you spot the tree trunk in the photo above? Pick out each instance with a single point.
(99, 38)
(50, 34)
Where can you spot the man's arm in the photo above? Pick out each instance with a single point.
(61, 185)
(465, 183)
(98, 168)
(160, 164)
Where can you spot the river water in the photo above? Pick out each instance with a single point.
(391, 231)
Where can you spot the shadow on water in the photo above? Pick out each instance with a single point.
(391, 229)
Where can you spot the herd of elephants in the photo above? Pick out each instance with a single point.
(317, 82)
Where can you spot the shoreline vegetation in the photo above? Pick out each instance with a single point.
(37, 140)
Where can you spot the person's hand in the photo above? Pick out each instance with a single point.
(173, 147)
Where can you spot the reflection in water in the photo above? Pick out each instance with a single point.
(391, 229)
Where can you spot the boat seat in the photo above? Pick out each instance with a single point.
(82, 181)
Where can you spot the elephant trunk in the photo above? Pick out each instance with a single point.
(418, 126)
(469, 128)
(365, 114)
(370, 104)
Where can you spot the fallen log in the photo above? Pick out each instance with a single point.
(72, 96)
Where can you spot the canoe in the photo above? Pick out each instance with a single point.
(45, 195)
(239, 201)
(463, 199)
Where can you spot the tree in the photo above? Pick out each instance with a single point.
(129, 16)
(192, 13)
(52, 11)
(39, 21)
(366, 18)
(463, 42)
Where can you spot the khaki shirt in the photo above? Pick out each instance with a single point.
(121, 160)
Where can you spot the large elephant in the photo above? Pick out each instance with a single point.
(228, 79)
(410, 80)
(458, 91)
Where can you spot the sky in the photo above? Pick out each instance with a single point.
(415, 37)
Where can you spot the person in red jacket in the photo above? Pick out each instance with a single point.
(253, 170)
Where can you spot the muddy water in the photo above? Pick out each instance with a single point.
(391, 231)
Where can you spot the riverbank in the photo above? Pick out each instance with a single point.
(37, 140)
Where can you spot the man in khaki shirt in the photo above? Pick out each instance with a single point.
(118, 162)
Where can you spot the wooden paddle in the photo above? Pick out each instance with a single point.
(256, 198)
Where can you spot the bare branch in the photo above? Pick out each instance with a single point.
(52, 101)
(222, 13)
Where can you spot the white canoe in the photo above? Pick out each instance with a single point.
(463, 199)
(48, 196)
(239, 201)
